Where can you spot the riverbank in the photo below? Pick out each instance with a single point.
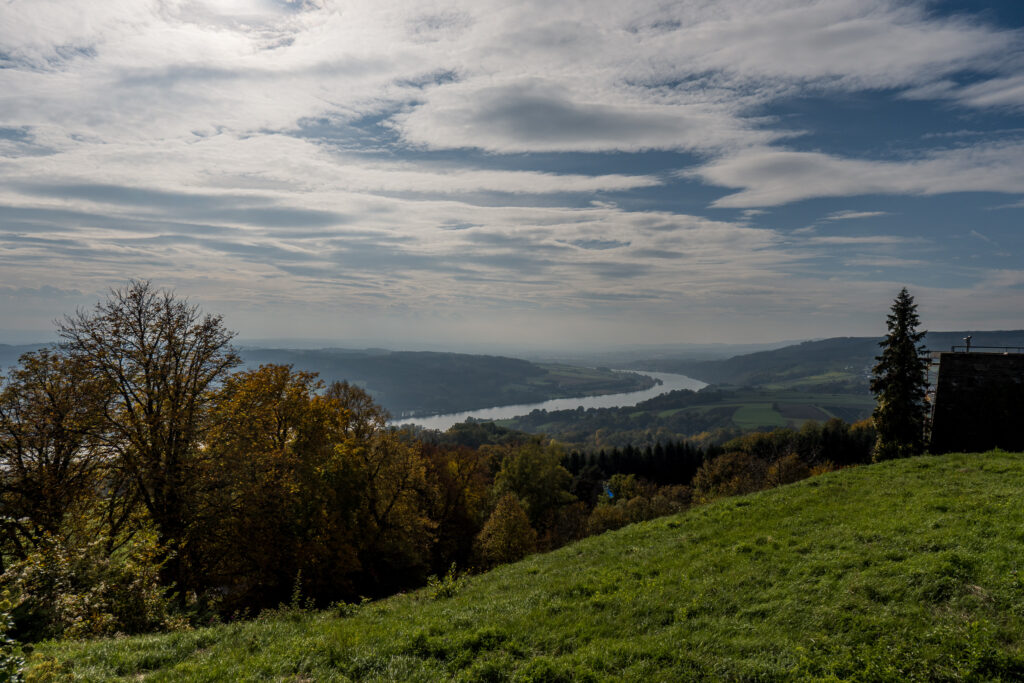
(665, 382)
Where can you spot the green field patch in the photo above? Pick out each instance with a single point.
(753, 415)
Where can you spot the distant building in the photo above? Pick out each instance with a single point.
(978, 400)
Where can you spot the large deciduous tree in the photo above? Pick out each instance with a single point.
(391, 473)
(51, 412)
(899, 382)
(160, 356)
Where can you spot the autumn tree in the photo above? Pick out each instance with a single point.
(460, 482)
(160, 356)
(786, 470)
(507, 535)
(281, 500)
(51, 452)
(899, 382)
(390, 471)
(308, 487)
(730, 474)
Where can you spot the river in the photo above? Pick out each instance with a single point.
(669, 382)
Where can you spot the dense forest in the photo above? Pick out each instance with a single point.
(148, 482)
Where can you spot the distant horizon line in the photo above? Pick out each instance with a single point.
(484, 348)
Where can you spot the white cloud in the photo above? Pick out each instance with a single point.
(499, 76)
(996, 92)
(770, 177)
(861, 43)
(294, 153)
(883, 262)
(865, 239)
(853, 215)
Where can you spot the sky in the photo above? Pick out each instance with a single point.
(499, 174)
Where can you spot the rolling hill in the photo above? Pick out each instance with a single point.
(408, 383)
(836, 364)
(906, 570)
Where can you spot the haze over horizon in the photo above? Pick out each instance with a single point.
(463, 174)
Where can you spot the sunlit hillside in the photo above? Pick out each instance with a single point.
(906, 570)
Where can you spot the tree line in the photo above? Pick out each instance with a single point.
(148, 483)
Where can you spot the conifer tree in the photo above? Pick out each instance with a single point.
(899, 382)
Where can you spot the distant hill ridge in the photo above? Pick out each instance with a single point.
(427, 382)
(843, 363)
(10, 353)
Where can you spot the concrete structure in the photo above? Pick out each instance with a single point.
(978, 402)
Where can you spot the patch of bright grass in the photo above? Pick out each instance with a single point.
(907, 570)
(753, 415)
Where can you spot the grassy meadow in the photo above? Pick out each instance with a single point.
(906, 570)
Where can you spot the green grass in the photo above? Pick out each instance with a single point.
(753, 415)
(908, 570)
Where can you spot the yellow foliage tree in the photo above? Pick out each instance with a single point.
(507, 535)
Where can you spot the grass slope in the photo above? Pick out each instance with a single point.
(899, 571)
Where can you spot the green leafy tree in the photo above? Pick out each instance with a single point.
(899, 382)
(534, 473)
(72, 587)
(12, 663)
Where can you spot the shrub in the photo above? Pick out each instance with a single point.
(730, 474)
(786, 470)
(77, 591)
(606, 518)
(12, 664)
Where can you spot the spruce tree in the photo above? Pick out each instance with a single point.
(899, 382)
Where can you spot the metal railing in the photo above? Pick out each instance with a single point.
(986, 349)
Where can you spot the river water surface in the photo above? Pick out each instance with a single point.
(669, 382)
